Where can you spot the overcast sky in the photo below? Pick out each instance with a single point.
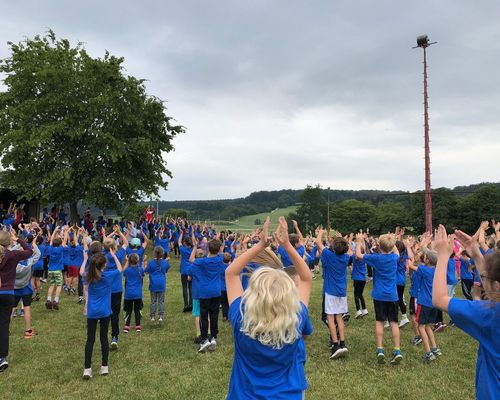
(280, 94)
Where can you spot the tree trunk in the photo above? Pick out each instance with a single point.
(73, 210)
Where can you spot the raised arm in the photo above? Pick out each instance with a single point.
(444, 246)
(319, 241)
(482, 233)
(297, 230)
(145, 240)
(84, 263)
(359, 243)
(117, 261)
(233, 281)
(305, 284)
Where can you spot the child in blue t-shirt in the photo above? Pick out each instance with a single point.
(269, 319)
(479, 319)
(157, 269)
(415, 283)
(223, 297)
(185, 248)
(55, 251)
(426, 313)
(358, 276)
(466, 278)
(100, 281)
(133, 274)
(205, 273)
(38, 267)
(384, 293)
(335, 262)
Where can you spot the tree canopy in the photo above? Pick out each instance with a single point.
(73, 127)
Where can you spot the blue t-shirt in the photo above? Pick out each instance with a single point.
(157, 270)
(99, 296)
(426, 276)
(358, 269)
(223, 286)
(401, 274)
(262, 372)
(480, 319)
(164, 244)
(117, 286)
(451, 273)
(384, 276)
(465, 272)
(133, 282)
(185, 253)
(56, 261)
(335, 268)
(415, 284)
(139, 251)
(206, 275)
(285, 258)
(38, 266)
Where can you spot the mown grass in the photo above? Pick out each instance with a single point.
(162, 362)
(247, 223)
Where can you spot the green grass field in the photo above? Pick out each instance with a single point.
(162, 361)
(247, 223)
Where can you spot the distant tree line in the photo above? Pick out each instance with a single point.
(457, 208)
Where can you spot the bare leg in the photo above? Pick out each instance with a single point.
(340, 323)
(430, 334)
(331, 326)
(425, 338)
(395, 334)
(27, 317)
(379, 333)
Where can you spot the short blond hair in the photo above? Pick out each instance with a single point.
(387, 243)
(270, 307)
(109, 243)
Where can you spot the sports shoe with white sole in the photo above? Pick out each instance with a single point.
(213, 345)
(104, 370)
(404, 321)
(87, 373)
(204, 346)
(358, 314)
(396, 357)
(380, 356)
(364, 312)
(3, 364)
(386, 324)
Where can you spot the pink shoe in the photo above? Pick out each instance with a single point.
(126, 328)
(138, 328)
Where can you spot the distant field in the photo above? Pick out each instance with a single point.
(247, 223)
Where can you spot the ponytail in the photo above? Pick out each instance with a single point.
(97, 263)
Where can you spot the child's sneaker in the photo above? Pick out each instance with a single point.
(72, 291)
(114, 344)
(160, 320)
(104, 370)
(153, 320)
(66, 290)
(29, 334)
(3, 364)
(346, 317)
(55, 305)
(14, 313)
(138, 329)
(386, 324)
(213, 345)
(22, 313)
(380, 356)
(439, 327)
(204, 346)
(436, 351)
(126, 328)
(428, 358)
(358, 314)
(364, 312)
(48, 305)
(396, 357)
(404, 321)
(337, 352)
(87, 373)
(416, 340)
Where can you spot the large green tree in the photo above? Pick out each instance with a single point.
(351, 215)
(73, 127)
(313, 209)
(387, 217)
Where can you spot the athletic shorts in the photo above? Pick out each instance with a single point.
(26, 300)
(413, 305)
(386, 310)
(426, 315)
(38, 273)
(335, 305)
(55, 278)
(65, 268)
(72, 271)
(196, 308)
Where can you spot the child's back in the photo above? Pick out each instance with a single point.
(206, 273)
(384, 276)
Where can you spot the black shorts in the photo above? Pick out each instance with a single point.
(65, 268)
(386, 310)
(413, 305)
(426, 315)
(38, 273)
(26, 300)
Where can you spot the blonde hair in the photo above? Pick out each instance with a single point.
(271, 306)
(387, 243)
(109, 243)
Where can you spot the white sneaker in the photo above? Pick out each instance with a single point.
(87, 373)
(213, 345)
(160, 320)
(104, 370)
(204, 346)
(364, 312)
(404, 321)
(386, 324)
(153, 320)
(358, 314)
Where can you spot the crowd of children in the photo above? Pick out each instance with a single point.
(262, 282)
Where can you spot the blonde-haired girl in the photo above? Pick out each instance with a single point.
(269, 320)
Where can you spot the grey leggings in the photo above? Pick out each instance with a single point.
(157, 304)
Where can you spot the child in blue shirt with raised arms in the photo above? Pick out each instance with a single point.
(268, 319)
(55, 251)
(100, 280)
(358, 276)
(335, 261)
(384, 293)
(479, 319)
(133, 274)
(157, 269)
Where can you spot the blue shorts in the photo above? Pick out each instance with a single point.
(196, 308)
